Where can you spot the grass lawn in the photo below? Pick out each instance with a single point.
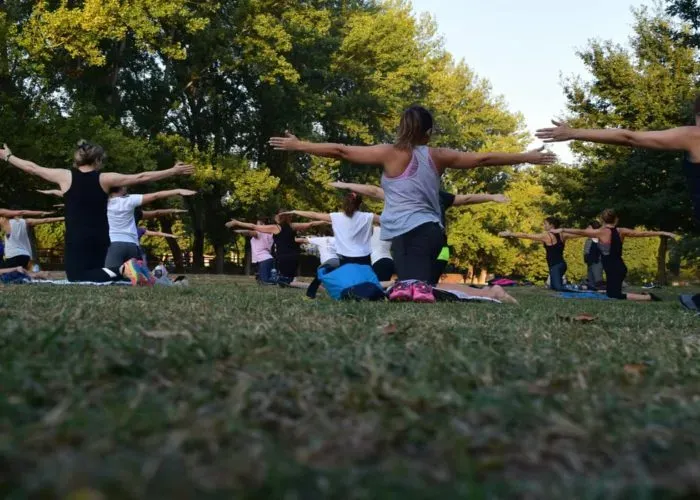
(226, 389)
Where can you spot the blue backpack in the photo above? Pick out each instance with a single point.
(352, 282)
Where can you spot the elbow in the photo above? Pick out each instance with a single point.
(629, 138)
(340, 152)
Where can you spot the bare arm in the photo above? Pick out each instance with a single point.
(586, 233)
(450, 158)
(158, 233)
(151, 214)
(60, 176)
(311, 215)
(474, 199)
(37, 222)
(22, 213)
(367, 155)
(679, 138)
(268, 229)
(302, 241)
(52, 192)
(524, 236)
(363, 189)
(151, 197)
(245, 232)
(110, 179)
(305, 226)
(631, 233)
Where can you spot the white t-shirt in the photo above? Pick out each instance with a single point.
(326, 248)
(381, 249)
(352, 234)
(17, 242)
(120, 214)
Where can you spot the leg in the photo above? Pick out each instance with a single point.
(493, 292)
(438, 270)
(615, 277)
(103, 275)
(556, 276)
(265, 270)
(384, 269)
(316, 283)
(417, 252)
(119, 252)
(17, 261)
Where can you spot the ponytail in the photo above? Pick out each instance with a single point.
(414, 128)
(352, 204)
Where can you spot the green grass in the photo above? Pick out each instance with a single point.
(257, 393)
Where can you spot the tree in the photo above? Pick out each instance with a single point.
(647, 86)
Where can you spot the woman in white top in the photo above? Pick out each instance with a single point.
(123, 234)
(352, 230)
(382, 261)
(18, 249)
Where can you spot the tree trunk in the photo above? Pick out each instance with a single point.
(483, 274)
(247, 256)
(167, 224)
(219, 258)
(661, 278)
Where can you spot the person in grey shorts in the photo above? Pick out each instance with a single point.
(123, 235)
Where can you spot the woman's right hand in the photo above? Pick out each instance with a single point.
(186, 192)
(182, 168)
(232, 223)
(5, 152)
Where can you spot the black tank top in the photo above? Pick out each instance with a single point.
(555, 253)
(86, 209)
(614, 252)
(285, 242)
(692, 174)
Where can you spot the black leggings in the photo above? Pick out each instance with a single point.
(287, 266)
(17, 261)
(365, 260)
(615, 274)
(384, 269)
(102, 275)
(416, 251)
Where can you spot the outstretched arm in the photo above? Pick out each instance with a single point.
(158, 233)
(631, 233)
(587, 233)
(523, 236)
(110, 179)
(363, 189)
(680, 138)
(59, 176)
(269, 229)
(305, 226)
(474, 199)
(311, 215)
(367, 155)
(22, 213)
(151, 214)
(449, 158)
(302, 241)
(52, 192)
(151, 197)
(37, 222)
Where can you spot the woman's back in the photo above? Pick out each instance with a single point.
(353, 235)
(285, 241)
(86, 206)
(411, 199)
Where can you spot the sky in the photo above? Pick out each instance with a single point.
(525, 47)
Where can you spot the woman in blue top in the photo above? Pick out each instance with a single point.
(411, 182)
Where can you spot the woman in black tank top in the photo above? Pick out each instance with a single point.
(610, 239)
(286, 250)
(554, 249)
(674, 139)
(85, 190)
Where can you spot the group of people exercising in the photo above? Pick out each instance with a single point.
(408, 240)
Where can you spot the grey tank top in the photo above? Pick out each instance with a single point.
(412, 198)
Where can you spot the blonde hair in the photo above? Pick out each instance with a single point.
(414, 128)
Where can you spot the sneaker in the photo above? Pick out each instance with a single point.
(146, 273)
(133, 272)
(423, 293)
(688, 302)
(401, 292)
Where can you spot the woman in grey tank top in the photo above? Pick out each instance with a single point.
(411, 182)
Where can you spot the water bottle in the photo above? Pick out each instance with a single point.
(273, 275)
(36, 268)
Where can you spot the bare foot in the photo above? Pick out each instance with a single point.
(500, 294)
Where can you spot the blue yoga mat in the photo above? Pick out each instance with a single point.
(583, 295)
